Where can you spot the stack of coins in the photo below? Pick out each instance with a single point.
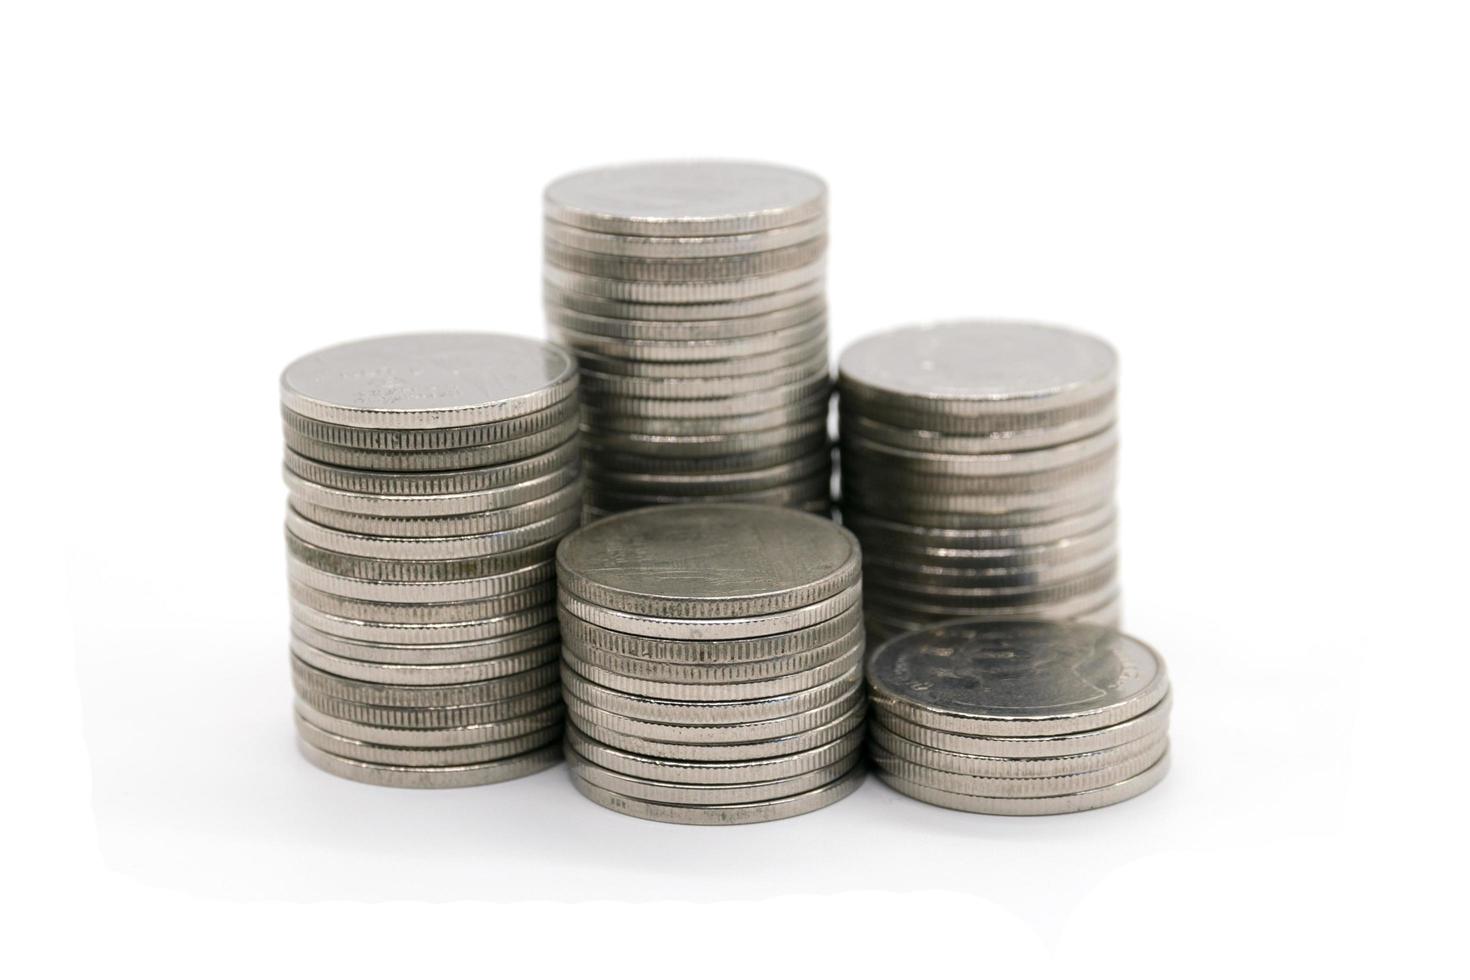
(712, 662)
(1019, 718)
(431, 478)
(978, 469)
(693, 295)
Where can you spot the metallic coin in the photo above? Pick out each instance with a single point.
(436, 738)
(484, 487)
(726, 691)
(421, 381)
(1001, 767)
(978, 369)
(916, 592)
(742, 365)
(711, 773)
(451, 548)
(726, 751)
(700, 269)
(463, 590)
(713, 673)
(978, 544)
(687, 627)
(310, 680)
(683, 247)
(426, 674)
(436, 440)
(811, 386)
(593, 720)
(660, 791)
(723, 327)
(1051, 459)
(822, 506)
(580, 634)
(980, 678)
(655, 356)
(709, 711)
(814, 464)
(853, 423)
(686, 198)
(458, 716)
(494, 454)
(433, 777)
(709, 561)
(596, 421)
(1025, 490)
(561, 301)
(599, 385)
(724, 814)
(683, 292)
(389, 570)
(808, 495)
(885, 620)
(422, 612)
(1013, 787)
(703, 451)
(317, 501)
(948, 509)
(1037, 806)
(426, 654)
(416, 633)
(913, 572)
(392, 755)
(567, 497)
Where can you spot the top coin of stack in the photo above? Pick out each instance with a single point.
(978, 466)
(712, 662)
(1019, 718)
(692, 294)
(431, 477)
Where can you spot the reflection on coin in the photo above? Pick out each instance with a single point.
(433, 777)
(729, 813)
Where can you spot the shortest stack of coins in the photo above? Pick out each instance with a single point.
(712, 662)
(692, 294)
(1019, 718)
(432, 477)
(978, 467)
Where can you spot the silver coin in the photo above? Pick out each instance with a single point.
(462, 590)
(994, 766)
(679, 270)
(426, 674)
(1051, 459)
(389, 570)
(311, 681)
(392, 755)
(709, 561)
(1028, 567)
(709, 711)
(453, 548)
(921, 592)
(683, 247)
(1026, 490)
(1150, 725)
(1035, 522)
(1018, 545)
(813, 465)
(437, 738)
(427, 654)
(821, 506)
(458, 716)
(422, 381)
(977, 369)
(687, 627)
(1037, 806)
(566, 497)
(1027, 787)
(655, 356)
(425, 613)
(723, 454)
(433, 777)
(949, 509)
(597, 421)
(802, 494)
(718, 384)
(727, 691)
(686, 198)
(742, 364)
(470, 457)
(579, 634)
(725, 814)
(725, 751)
(593, 719)
(560, 301)
(468, 507)
(713, 673)
(852, 422)
(980, 678)
(436, 440)
(720, 328)
(711, 773)
(483, 487)
(808, 388)
(885, 620)
(659, 791)
(707, 291)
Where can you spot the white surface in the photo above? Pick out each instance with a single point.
(1263, 206)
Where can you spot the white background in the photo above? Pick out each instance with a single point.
(1264, 206)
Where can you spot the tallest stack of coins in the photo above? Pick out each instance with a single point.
(431, 478)
(978, 468)
(693, 295)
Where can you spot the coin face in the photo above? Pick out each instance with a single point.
(1001, 365)
(428, 380)
(1009, 678)
(709, 560)
(704, 197)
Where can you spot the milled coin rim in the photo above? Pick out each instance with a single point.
(1038, 806)
(433, 777)
(726, 814)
